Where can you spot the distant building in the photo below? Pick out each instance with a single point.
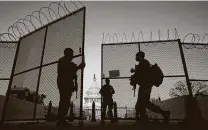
(26, 94)
(20, 93)
(177, 108)
(92, 94)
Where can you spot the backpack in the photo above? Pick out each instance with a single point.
(156, 75)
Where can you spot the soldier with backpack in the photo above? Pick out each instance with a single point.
(146, 76)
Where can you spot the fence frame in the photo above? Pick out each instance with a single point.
(41, 66)
(181, 49)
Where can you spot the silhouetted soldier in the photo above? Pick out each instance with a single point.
(66, 75)
(142, 73)
(49, 110)
(107, 92)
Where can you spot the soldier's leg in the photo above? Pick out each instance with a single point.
(61, 106)
(67, 104)
(141, 105)
(137, 110)
(151, 106)
(110, 107)
(64, 104)
(104, 110)
(142, 112)
(155, 108)
(137, 106)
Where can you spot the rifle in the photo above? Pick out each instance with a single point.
(133, 79)
(75, 85)
(132, 82)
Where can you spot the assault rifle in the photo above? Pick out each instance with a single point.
(133, 79)
(75, 85)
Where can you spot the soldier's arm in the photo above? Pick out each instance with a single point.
(59, 67)
(101, 91)
(80, 66)
(113, 91)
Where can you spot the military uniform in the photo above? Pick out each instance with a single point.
(107, 92)
(143, 80)
(66, 74)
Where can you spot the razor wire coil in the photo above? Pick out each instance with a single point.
(36, 20)
(194, 39)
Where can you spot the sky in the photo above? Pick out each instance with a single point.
(120, 17)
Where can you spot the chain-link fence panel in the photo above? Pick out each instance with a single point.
(25, 81)
(166, 55)
(3, 89)
(7, 52)
(119, 57)
(22, 96)
(126, 113)
(34, 82)
(122, 57)
(30, 51)
(124, 96)
(196, 62)
(7, 58)
(66, 33)
(48, 88)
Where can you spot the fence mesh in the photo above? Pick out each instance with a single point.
(119, 57)
(30, 51)
(167, 55)
(7, 58)
(7, 52)
(36, 68)
(196, 61)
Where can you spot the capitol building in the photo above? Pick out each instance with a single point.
(92, 95)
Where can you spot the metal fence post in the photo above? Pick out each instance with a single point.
(115, 112)
(82, 71)
(193, 113)
(185, 68)
(102, 82)
(126, 113)
(40, 72)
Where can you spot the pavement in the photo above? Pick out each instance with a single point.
(88, 125)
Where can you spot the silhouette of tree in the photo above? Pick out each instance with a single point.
(180, 88)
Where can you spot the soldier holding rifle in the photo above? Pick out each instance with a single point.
(66, 81)
(142, 77)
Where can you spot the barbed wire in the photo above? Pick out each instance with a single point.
(194, 40)
(37, 19)
(56, 10)
(138, 37)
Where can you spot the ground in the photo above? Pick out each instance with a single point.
(121, 125)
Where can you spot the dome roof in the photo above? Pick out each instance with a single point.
(94, 89)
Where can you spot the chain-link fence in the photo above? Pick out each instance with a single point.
(179, 62)
(7, 52)
(33, 81)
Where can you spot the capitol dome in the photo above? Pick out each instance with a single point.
(93, 91)
(93, 95)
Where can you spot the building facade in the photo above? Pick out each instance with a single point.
(92, 95)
